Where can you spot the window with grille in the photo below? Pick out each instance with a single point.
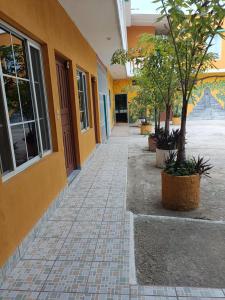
(83, 99)
(24, 121)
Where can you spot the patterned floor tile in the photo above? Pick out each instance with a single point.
(18, 295)
(55, 229)
(68, 276)
(108, 273)
(29, 275)
(114, 230)
(115, 202)
(116, 250)
(64, 214)
(109, 289)
(78, 296)
(95, 202)
(78, 249)
(199, 292)
(137, 290)
(85, 230)
(98, 192)
(44, 248)
(106, 297)
(72, 202)
(114, 215)
(91, 214)
(152, 298)
(61, 296)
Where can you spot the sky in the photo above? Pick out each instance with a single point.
(143, 7)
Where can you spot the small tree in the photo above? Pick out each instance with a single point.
(154, 57)
(150, 90)
(193, 26)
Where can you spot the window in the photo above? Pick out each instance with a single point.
(83, 99)
(24, 122)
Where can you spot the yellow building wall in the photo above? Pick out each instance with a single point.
(124, 86)
(134, 33)
(25, 197)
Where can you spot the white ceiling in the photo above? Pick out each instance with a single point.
(98, 22)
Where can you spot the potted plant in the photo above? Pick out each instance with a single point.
(153, 60)
(192, 26)
(181, 182)
(146, 126)
(167, 142)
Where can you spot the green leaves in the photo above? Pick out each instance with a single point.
(189, 167)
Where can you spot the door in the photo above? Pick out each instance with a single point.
(121, 108)
(66, 115)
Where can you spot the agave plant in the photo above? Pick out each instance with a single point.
(168, 141)
(191, 166)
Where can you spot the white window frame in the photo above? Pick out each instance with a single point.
(28, 43)
(86, 100)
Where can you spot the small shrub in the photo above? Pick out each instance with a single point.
(168, 141)
(191, 166)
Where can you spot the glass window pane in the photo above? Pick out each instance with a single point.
(31, 139)
(86, 100)
(40, 96)
(26, 101)
(6, 53)
(81, 101)
(20, 57)
(6, 163)
(82, 120)
(19, 144)
(12, 100)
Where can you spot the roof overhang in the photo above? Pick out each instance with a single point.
(150, 20)
(103, 25)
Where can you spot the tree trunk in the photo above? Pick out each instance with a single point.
(167, 122)
(181, 153)
(156, 120)
(159, 118)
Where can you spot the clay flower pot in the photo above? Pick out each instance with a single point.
(180, 193)
(176, 120)
(152, 143)
(146, 128)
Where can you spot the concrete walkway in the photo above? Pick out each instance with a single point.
(84, 250)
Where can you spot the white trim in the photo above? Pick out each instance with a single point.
(214, 71)
(35, 98)
(86, 99)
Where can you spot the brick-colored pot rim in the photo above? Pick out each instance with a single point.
(180, 177)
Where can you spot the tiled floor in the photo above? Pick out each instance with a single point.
(82, 250)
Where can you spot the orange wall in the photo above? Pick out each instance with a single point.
(124, 86)
(25, 197)
(134, 33)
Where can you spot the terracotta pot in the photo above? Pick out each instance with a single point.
(176, 120)
(152, 144)
(161, 156)
(145, 129)
(180, 193)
